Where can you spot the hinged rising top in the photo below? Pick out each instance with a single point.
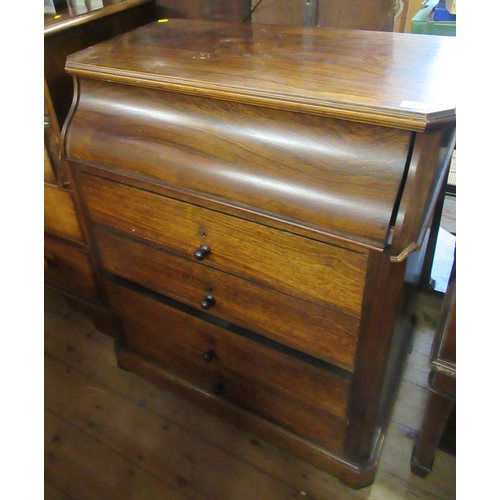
(393, 79)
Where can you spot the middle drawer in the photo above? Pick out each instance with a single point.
(304, 326)
(317, 272)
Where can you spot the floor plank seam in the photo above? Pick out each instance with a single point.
(137, 464)
(407, 427)
(438, 497)
(68, 317)
(59, 488)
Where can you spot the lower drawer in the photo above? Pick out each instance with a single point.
(305, 399)
(70, 268)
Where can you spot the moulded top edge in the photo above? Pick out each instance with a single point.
(392, 79)
(403, 118)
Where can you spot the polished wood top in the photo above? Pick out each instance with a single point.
(396, 79)
(60, 15)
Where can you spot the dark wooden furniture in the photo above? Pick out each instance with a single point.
(68, 266)
(252, 194)
(442, 384)
(209, 10)
(377, 15)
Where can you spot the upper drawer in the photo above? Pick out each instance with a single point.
(297, 266)
(316, 172)
(59, 213)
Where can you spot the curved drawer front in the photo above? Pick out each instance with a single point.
(304, 268)
(70, 268)
(301, 325)
(335, 175)
(278, 387)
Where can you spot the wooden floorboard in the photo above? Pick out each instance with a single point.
(52, 492)
(111, 434)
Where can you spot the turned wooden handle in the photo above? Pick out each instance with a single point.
(218, 388)
(202, 252)
(49, 261)
(207, 302)
(208, 355)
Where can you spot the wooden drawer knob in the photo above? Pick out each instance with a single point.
(202, 252)
(208, 355)
(49, 261)
(218, 388)
(207, 302)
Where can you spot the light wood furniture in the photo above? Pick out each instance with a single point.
(442, 384)
(68, 266)
(252, 195)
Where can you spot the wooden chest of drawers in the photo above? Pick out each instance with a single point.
(252, 195)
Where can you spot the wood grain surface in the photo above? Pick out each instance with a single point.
(300, 267)
(53, 142)
(69, 267)
(68, 34)
(340, 177)
(426, 175)
(59, 213)
(393, 79)
(48, 170)
(323, 130)
(375, 15)
(66, 17)
(215, 10)
(321, 332)
(254, 377)
(101, 407)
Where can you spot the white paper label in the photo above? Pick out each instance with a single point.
(414, 105)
